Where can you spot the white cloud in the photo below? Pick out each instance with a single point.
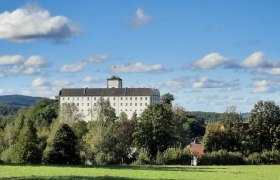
(35, 61)
(38, 82)
(47, 88)
(98, 58)
(270, 71)
(261, 86)
(73, 68)
(210, 61)
(60, 83)
(200, 83)
(137, 68)
(140, 19)
(9, 60)
(90, 79)
(31, 22)
(19, 65)
(205, 82)
(254, 60)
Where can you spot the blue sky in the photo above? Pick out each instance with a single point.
(209, 54)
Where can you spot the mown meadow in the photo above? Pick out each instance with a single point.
(139, 172)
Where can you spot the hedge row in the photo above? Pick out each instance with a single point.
(221, 157)
(176, 156)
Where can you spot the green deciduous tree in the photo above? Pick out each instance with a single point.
(155, 130)
(265, 126)
(26, 149)
(225, 133)
(62, 149)
(167, 98)
(100, 141)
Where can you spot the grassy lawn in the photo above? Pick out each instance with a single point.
(139, 172)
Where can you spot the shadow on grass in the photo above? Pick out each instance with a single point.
(131, 167)
(164, 168)
(68, 177)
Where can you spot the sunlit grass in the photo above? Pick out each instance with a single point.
(139, 172)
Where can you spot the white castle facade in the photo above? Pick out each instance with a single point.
(128, 100)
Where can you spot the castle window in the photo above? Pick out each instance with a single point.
(114, 98)
(114, 104)
(146, 98)
(87, 104)
(140, 104)
(121, 104)
(146, 104)
(121, 98)
(130, 104)
(130, 98)
(140, 98)
(126, 104)
(135, 98)
(88, 98)
(135, 104)
(77, 104)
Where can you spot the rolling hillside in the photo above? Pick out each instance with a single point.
(18, 100)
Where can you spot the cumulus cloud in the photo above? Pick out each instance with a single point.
(210, 61)
(140, 19)
(137, 68)
(261, 86)
(98, 58)
(270, 71)
(43, 86)
(91, 79)
(254, 60)
(205, 82)
(31, 22)
(19, 65)
(60, 83)
(9, 60)
(38, 82)
(73, 68)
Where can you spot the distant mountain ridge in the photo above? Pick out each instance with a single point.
(19, 100)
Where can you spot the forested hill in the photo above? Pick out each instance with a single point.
(18, 100)
(211, 116)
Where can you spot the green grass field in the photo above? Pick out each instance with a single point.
(139, 172)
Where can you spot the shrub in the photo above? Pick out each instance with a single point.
(174, 156)
(221, 157)
(102, 158)
(6, 156)
(266, 157)
(142, 158)
(254, 158)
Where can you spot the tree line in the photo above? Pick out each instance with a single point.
(45, 134)
(48, 134)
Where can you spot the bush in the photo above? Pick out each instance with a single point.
(105, 158)
(174, 156)
(266, 157)
(221, 157)
(142, 158)
(6, 156)
(254, 158)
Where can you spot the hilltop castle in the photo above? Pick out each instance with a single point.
(128, 100)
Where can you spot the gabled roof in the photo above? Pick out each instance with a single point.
(107, 92)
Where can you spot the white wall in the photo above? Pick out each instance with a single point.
(127, 104)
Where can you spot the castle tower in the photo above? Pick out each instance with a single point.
(114, 82)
